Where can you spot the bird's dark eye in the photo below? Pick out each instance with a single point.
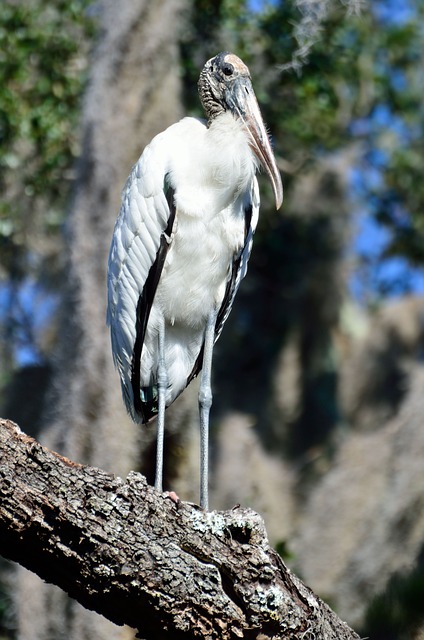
(227, 69)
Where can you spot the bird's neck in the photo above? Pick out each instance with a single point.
(229, 150)
(215, 165)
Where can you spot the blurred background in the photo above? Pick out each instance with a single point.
(318, 376)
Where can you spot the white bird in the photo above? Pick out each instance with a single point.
(181, 245)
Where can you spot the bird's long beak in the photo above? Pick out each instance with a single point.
(244, 104)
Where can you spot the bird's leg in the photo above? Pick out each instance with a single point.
(162, 383)
(205, 403)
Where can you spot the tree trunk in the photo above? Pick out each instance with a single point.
(166, 568)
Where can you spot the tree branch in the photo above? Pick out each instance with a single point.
(169, 570)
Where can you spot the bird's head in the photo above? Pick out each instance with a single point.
(225, 85)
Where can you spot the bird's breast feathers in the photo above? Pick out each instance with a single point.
(198, 266)
(209, 167)
(211, 171)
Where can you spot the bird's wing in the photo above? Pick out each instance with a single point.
(248, 204)
(139, 246)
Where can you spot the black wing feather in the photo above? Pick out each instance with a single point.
(146, 408)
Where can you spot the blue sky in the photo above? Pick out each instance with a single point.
(31, 308)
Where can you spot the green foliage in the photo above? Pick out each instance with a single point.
(357, 66)
(43, 48)
(398, 82)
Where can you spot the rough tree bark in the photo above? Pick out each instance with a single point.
(164, 567)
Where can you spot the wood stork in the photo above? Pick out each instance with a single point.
(181, 245)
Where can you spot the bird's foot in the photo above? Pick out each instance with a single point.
(172, 496)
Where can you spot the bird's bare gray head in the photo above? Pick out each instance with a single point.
(217, 82)
(225, 86)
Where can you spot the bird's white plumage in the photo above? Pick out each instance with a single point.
(212, 171)
(181, 246)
